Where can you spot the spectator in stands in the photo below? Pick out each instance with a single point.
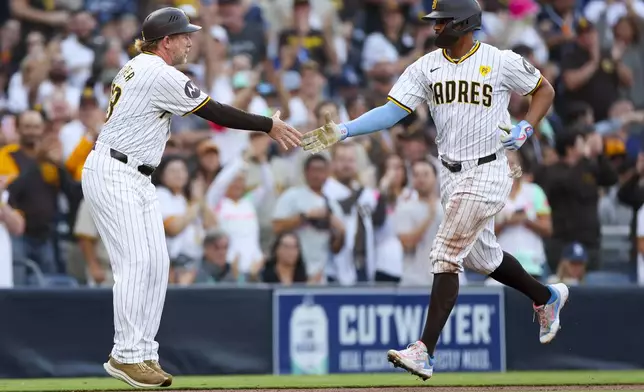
(37, 176)
(416, 222)
(79, 48)
(395, 189)
(629, 37)
(24, 85)
(285, 264)
(363, 213)
(208, 164)
(11, 224)
(302, 42)
(215, 267)
(236, 209)
(78, 136)
(387, 52)
(314, 218)
(243, 37)
(415, 144)
(312, 88)
(186, 216)
(592, 75)
(523, 223)
(572, 266)
(556, 23)
(572, 187)
(97, 268)
(260, 144)
(58, 82)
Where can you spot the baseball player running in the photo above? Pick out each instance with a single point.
(147, 91)
(467, 86)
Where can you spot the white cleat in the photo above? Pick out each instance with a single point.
(413, 359)
(548, 314)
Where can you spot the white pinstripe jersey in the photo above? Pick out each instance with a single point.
(467, 98)
(145, 94)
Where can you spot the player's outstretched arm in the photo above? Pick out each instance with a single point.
(377, 119)
(234, 118)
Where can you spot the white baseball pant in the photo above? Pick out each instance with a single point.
(470, 199)
(126, 211)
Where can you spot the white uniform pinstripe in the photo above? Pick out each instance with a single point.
(123, 201)
(468, 99)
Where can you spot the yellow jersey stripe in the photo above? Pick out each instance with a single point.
(392, 99)
(536, 87)
(468, 55)
(205, 101)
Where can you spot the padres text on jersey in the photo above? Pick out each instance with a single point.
(468, 98)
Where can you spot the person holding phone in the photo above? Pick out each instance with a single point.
(524, 222)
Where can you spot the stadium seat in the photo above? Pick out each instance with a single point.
(606, 278)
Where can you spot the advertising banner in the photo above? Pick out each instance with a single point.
(349, 330)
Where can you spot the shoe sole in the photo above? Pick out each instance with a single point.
(396, 360)
(551, 336)
(120, 375)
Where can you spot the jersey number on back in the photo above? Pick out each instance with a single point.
(114, 99)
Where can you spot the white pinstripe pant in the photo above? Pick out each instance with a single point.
(470, 199)
(125, 208)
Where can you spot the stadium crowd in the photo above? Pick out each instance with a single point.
(238, 208)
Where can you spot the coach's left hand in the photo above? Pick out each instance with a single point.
(513, 137)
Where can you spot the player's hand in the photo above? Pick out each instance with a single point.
(283, 133)
(513, 137)
(323, 137)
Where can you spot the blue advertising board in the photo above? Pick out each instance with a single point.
(349, 330)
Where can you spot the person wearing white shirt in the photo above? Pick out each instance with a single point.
(416, 222)
(523, 223)
(236, 212)
(186, 217)
(11, 223)
(394, 187)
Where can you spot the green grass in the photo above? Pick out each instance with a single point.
(344, 381)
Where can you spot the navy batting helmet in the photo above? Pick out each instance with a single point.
(464, 16)
(166, 21)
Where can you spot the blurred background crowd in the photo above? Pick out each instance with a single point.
(238, 209)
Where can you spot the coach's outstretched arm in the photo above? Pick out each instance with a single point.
(231, 117)
(375, 120)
